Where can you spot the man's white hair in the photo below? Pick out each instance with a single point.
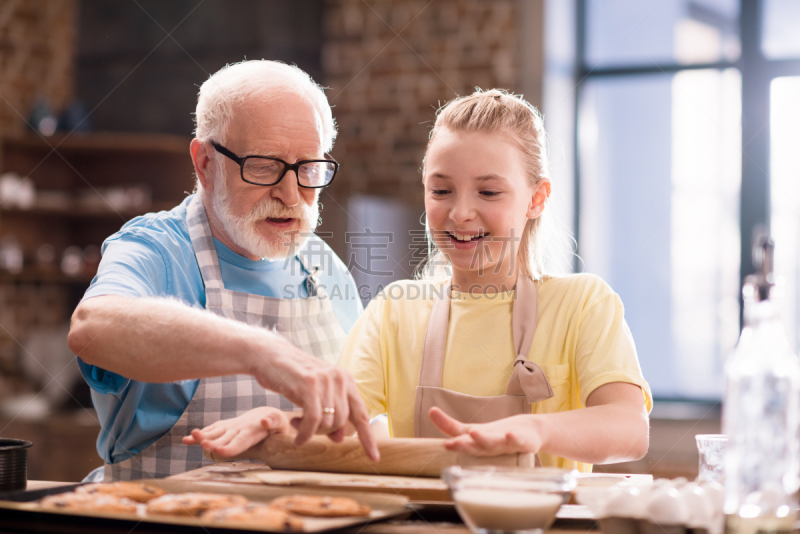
(237, 83)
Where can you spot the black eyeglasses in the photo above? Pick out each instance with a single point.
(263, 170)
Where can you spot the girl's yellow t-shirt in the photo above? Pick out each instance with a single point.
(581, 342)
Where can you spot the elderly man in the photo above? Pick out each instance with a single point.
(243, 248)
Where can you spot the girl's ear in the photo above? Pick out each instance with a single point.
(541, 192)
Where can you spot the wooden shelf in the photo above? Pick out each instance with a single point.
(87, 212)
(103, 142)
(33, 276)
(64, 170)
(160, 162)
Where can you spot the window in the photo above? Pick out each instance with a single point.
(784, 167)
(686, 141)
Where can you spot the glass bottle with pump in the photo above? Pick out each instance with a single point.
(761, 412)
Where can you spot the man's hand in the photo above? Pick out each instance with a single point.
(327, 395)
(504, 436)
(231, 437)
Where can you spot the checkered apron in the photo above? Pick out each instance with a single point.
(309, 323)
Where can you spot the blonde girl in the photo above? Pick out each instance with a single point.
(486, 184)
(487, 348)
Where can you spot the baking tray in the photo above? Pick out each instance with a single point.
(18, 514)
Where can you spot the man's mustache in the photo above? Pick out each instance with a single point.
(275, 209)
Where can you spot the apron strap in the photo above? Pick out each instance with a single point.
(528, 378)
(432, 365)
(203, 243)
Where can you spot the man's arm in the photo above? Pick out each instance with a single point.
(614, 427)
(158, 340)
(161, 340)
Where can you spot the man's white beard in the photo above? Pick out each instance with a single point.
(279, 244)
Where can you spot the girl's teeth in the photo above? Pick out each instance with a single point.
(466, 237)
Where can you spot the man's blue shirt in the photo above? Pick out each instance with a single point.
(152, 256)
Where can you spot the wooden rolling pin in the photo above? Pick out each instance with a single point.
(424, 457)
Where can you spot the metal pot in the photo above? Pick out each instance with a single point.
(14, 464)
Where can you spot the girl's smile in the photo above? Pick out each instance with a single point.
(463, 240)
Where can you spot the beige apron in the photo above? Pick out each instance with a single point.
(528, 383)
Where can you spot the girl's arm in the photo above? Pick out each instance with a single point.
(614, 427)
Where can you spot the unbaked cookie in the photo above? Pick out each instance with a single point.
(88, 501)
(192, 504)
(320, 506)
(255, 515)
(135, 491)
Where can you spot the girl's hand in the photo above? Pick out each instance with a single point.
(504, 436)
(230, 437)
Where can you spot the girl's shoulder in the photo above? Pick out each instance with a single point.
(584, 288)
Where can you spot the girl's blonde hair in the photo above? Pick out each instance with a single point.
(497, 111)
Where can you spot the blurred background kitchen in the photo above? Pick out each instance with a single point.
(674, 130)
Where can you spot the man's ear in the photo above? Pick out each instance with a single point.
(541, 192)
(202, 160)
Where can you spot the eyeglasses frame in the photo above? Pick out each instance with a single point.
(240, 160)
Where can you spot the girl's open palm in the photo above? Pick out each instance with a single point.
(231, 437)
(504, 436)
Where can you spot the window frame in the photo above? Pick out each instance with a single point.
(757, 73)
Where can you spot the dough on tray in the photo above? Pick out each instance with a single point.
(320, 506)
(192, 504)
(256, 515)
(135, 491)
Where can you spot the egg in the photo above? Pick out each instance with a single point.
(700, 505)
(716, 492)
(625, 504)
(664, 506)
(595, 498)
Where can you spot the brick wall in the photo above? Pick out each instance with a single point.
(37, 49)
(389, 64)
